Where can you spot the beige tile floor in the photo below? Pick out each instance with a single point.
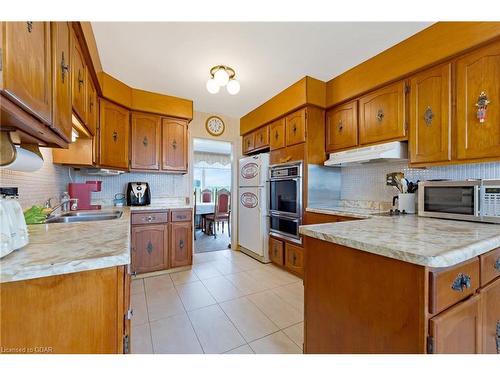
(227, 303)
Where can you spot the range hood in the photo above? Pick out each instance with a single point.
(101, 172)
(392, 151)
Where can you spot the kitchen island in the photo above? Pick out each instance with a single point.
(402, 285)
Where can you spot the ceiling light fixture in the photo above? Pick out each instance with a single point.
(222, 75)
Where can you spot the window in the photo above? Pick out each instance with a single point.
(211, 177)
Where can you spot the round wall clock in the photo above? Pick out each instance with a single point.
(215, 126)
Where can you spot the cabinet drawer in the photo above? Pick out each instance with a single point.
(276, 251)
(451, 285)
(150, 217)
(180, 215)
(490, 266)
(294, 258)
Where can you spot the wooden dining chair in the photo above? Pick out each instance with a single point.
(206, 196)
(222, 212)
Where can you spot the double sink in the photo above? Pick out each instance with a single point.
(78, 216)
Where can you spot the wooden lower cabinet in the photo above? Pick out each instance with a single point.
(161, 239)
(181, 252)
(457, 330)
(294, 261)
(76, 313)
(490, 307)
(356, 302)
(276, 251)
(149, 248)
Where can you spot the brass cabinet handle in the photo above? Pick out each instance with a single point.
(380, 115)
(64, 67)
(340, 126)
(145, 141)
(115, 136)
(497, 264)
(149, 248)
(461, 282)
(294, 258)
(80, 80)
(149, 219)
(294, 129)
(428, 116)
(174, 144)
(482, 106)
(181, 244)
(91, 105)
(276, 135)
(29, 26)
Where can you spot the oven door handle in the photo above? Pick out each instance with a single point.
(272, 179)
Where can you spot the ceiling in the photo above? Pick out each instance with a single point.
(174, 58)
(208, 145)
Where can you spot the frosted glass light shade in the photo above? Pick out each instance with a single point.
(212, 86)
(233, 87)
(221, 77)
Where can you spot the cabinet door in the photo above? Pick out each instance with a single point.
(61, 84)
(430, 115)
(277, 134)
(261, 138)
(79, 80)
(180, 244)
(294, 258)
(146, 134)
(382, 114)
(113, 135)
(295, 128)
(490, 302)
(478, 77)
(276, 251)
(92, 105)
(342, 127)
(458, 329)
(27, 66)
(248, 143)
(149, 248)
(174, 145)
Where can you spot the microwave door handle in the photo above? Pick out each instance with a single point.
(477, 209)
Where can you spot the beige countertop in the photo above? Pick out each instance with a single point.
(357, 212)
(61, 248)
(424, 241)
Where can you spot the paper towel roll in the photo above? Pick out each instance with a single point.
(25, 161)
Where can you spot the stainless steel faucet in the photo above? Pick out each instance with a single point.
(64, 205)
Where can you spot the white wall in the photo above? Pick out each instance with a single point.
(231, 134)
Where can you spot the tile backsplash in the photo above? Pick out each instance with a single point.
(367, 182)
(162, 185)
(35, 187)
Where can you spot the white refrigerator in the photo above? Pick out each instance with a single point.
(253, 220)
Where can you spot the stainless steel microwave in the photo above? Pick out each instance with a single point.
(475, 200)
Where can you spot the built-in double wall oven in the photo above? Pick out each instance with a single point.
(285, 200)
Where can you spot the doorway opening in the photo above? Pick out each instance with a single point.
(212, 190)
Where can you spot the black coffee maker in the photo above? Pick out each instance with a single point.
(138, 194)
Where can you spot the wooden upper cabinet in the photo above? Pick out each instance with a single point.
(342, 127)
(277, 134)
(295, 127)
(149, 248)
(261, 138)
(92, 105)
(430, 115)
(248, 143)
(490, 307)
(61, 79)
(114, 135)
(79, 80)
(27, 67)
(174, 145)
(382, 114)
(145, 144)
(180, 244)
(458, 329)
(478, 82)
